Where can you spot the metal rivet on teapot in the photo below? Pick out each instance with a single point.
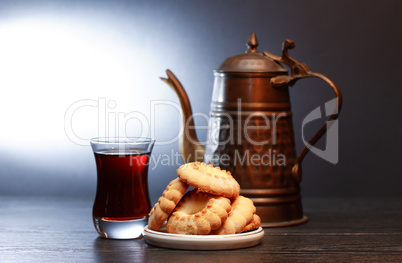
(250, 130)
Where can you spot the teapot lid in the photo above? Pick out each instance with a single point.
(250, 61)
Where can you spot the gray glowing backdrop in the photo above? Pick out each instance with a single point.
(72, 70)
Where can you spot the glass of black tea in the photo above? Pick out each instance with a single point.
(122, 201)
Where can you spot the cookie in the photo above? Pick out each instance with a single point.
(254, 224)
(166, 203)
(240, 215)
(209, 179)
(198, 213)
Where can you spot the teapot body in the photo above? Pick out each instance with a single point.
(251, 131)
(251, 135)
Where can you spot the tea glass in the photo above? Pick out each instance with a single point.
(122, 202)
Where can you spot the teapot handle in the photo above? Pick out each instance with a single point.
(298, 71)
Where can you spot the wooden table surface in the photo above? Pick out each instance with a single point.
(34, 229)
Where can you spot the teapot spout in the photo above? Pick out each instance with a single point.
(190, 148)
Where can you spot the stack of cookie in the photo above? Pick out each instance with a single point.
(214, 206)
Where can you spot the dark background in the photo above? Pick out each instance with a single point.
(54, 53)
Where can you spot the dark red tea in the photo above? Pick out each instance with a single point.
(122, 189)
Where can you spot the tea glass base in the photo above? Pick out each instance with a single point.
(117, 229)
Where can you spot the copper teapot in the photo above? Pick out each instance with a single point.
(250, 130)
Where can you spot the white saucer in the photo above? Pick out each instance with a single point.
(161, 238)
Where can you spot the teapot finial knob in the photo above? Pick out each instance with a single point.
(252, 44)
